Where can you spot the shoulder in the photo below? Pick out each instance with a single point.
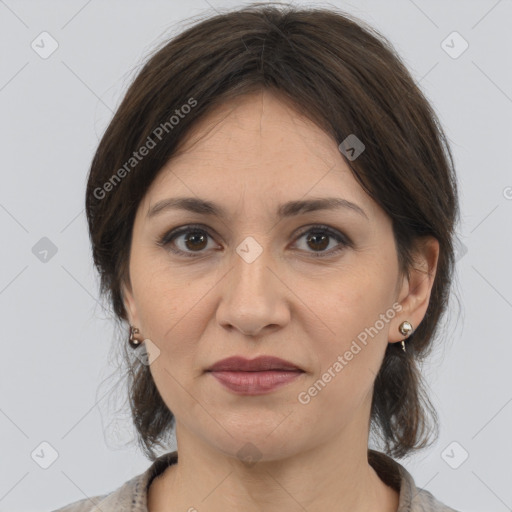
(132, 495)
(426, 502)
(85, 505)
(411, 497)
(129, 496)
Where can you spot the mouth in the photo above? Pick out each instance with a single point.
(255, 383)
(259, 364)
(256, 376)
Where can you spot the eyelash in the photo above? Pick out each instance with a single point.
(170, 236)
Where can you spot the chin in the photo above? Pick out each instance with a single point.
(253, 445)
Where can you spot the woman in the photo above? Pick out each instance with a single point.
(272, 211)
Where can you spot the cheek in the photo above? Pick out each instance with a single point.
(357, 309)
(159, 290)
(351, 301)
(172, 312)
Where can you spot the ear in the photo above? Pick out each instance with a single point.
(415, 291)
(129, 304)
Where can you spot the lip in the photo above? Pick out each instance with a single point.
(255, 382)
(254, 376)
(259, 364)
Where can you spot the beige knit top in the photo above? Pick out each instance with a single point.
(132, 495)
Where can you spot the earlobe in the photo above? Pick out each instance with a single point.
(417, 287)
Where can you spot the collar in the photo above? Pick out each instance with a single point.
(132, 496)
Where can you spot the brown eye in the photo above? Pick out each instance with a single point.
(196, 241)
(186, 241)
(193, 240)
(318, 241)
(319, 238)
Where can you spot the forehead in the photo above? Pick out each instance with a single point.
(260, 150)
(259, 125)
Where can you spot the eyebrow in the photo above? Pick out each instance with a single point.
(289, 209)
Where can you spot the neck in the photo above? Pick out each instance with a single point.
(323, 477)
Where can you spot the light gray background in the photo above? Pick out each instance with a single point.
(57, 340)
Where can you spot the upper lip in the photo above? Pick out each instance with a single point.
(261, 363)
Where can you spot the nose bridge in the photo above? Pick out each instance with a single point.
(251, 260)
(252, 298)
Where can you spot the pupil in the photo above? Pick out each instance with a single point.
(199, 236)
(323, 245)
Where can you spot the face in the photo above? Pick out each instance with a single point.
(310, 287)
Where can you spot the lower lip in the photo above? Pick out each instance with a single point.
(255, 383)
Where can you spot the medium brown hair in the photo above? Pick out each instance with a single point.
(348, 79)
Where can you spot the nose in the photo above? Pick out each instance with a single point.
(254, 297)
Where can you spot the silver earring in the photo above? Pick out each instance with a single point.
(405, 328)
(134, 343)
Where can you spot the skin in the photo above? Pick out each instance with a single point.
(249, 156)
